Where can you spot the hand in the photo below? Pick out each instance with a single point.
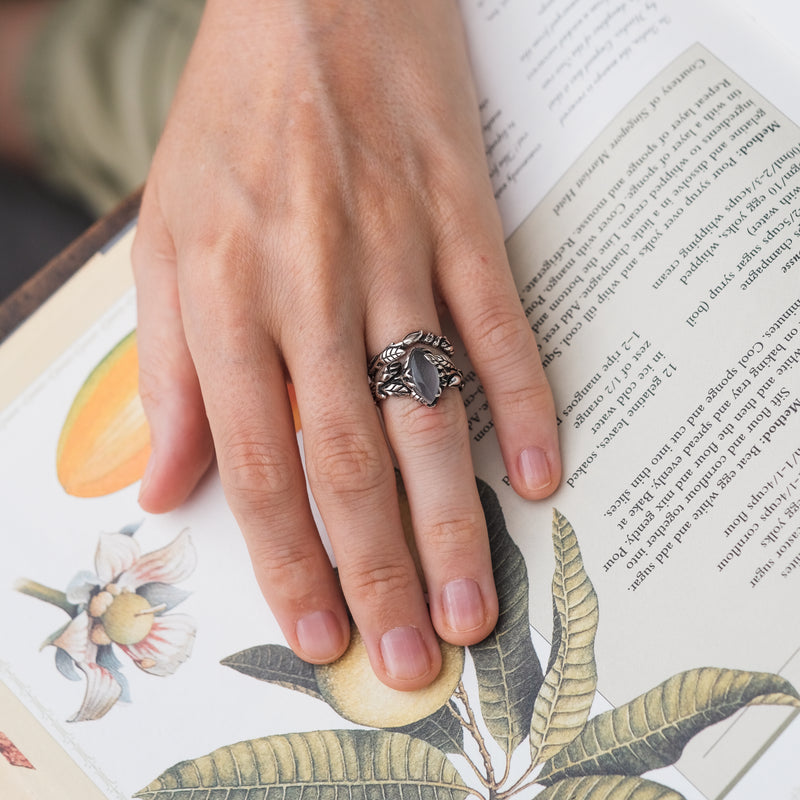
(321, 190)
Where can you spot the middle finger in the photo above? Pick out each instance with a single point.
(351, 476)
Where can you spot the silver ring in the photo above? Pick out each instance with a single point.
(419, 366)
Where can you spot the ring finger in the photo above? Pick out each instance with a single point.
(431, 445)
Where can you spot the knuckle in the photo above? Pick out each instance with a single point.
(347, 462)
(281, 564)
(506, 349)
(139, 254)
(153, 381)
(430, 428)
(152, 248)
(220, 268)
(517, 401)
(259, 478)
(383, 211)
(209, 282)
(455, 533)
(377, 584)
(168, 388)
(332, 229)
(502, 332)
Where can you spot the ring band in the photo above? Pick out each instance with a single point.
(419, 366)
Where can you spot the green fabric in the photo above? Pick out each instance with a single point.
(97, 89)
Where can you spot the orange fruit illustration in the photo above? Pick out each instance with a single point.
(105, 441)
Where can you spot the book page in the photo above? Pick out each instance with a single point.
(551, 75)
(662, 290)
(141, 723)
(32, 347)
(541, 108)
(661, 277)
(778, 19)
(33, 765)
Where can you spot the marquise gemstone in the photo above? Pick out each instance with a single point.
(425, 376)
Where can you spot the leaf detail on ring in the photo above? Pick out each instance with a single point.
(394, 387)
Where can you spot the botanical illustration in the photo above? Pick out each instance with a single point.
(12, 753)
(445, 744)
(105, 442)
(123, 606)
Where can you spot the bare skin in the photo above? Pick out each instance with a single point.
(321, 190)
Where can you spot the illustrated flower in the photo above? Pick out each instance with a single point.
(123, 604)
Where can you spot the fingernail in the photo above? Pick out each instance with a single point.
(404, 653)
(463, 605)
(535, 469)
(319, 635)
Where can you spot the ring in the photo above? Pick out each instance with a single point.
(419, 366)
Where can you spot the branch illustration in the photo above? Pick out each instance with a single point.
(571, 755)
(470, 724)
(41, 592)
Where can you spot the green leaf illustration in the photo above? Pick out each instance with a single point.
(609, 787)
(319, 765)
(276, 664)
(652, 730)
(442, 729)
(508, 669)
(565, 699)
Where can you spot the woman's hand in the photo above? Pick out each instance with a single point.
(320, 191)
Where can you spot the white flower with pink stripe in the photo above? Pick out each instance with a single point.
(124, 604)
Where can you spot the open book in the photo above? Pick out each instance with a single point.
(646, 160)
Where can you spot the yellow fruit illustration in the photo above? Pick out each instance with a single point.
(352, 689)
(105, 442)
(128, 619)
